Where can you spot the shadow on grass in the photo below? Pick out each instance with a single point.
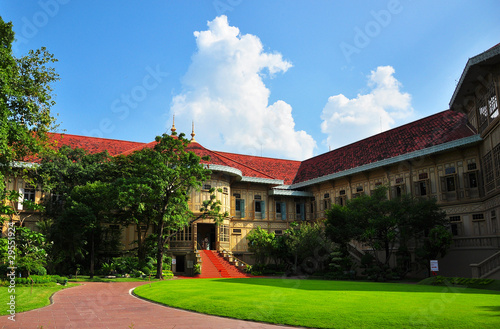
(494, 309)
(326, 285)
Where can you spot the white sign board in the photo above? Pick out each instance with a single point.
(434, 266)
(174, 261)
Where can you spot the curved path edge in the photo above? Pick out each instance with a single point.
(112, 305)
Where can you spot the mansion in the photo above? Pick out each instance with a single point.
(452, 156)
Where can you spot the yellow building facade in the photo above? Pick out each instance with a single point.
(452, 156)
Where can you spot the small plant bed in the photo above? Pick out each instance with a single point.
(489, 284)
(331, 304)
(86, 278)
(29, 298)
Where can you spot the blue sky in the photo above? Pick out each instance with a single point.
(286, 79)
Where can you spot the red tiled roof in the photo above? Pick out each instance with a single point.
(93, 144)
(436, 129)
(217, 158)
(262, 167)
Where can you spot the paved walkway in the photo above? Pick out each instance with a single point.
(109, 305)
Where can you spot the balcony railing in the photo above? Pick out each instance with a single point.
(491, 241)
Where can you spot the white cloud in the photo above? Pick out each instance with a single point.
(348, 120)
(224, 93)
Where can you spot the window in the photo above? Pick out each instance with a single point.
(421, 187)
(478, 217)
(398, 190)
(472, 181)
(450, 183)
(471, 166)
(184, 235)
(449, 170)
(423, 176)
(240, 208)
(359, 189)
(496, 161)
(399, 180)
(257, 197)
(449, 187)
(489, 178)
(455, 225)
(341, 200)
(327, 203)
(326, 196)
(237, 231)
(225, 190)
(494, 225)
(260, 209)
(281, 210)
(278, 232)
(29, 193)
(207, 186)
(300, 211)
(224, 233)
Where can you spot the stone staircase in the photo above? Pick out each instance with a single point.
(213, 265)
(488, 268)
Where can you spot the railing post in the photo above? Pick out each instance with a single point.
(476, 271)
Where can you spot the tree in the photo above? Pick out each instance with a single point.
(170, 171)
(60, 173)
(262, 244)
(91, 205)
(308, 247)
(25, 100)
(386, 224)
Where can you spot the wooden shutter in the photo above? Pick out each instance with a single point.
(416, 188)
(242, 208)
(263, 209)
(283, 210)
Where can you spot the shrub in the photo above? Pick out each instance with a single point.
(168, 274)
(197, 269)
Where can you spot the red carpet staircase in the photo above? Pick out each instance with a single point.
(215, 266)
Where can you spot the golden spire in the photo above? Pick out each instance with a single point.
(173, 125)
(193, 134)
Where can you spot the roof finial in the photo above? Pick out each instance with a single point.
(173, 126)
(193, 134)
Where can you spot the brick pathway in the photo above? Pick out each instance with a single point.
(109, 305)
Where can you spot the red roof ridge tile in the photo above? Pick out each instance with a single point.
(90, 137)
(242, 164)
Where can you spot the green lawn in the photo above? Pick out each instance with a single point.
(27, 300)
(332, 304)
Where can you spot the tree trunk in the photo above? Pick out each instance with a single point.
(140, 249)
(159, 252)
(92, 256)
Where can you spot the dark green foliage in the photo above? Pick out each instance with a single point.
(383, 224)
(25, 99)
(302, 249)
